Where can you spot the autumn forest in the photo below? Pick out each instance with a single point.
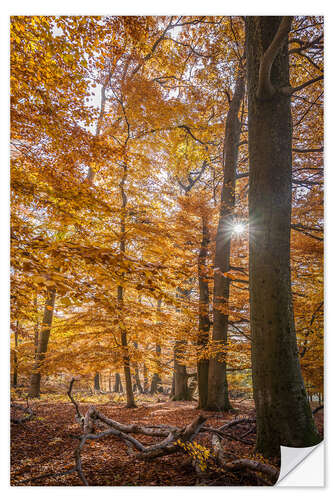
(166, 323)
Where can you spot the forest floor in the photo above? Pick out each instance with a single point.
(44, 445)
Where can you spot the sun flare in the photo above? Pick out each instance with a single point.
(238, 228)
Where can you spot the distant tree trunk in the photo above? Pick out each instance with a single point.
(34, 391)
(156, 379)
(15, 355)
(182, 392)
(36, 323)
(204, 322)
(283, 412)
(218, 398)
(145, 379)
(97, 386)
(118, 386)
(137, 385)
(110, 381)
(137, 379)
(172, 393)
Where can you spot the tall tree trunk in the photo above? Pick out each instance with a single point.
(34, 391)
(97, 385)
(36, 322)
(127, 372)
(217, 378)
(204, 322)
(126, 359)
(15, 371)
(283, 412)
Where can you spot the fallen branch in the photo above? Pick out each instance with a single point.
(25, 409)
(97, 426)
(272, 473)
(253, 465)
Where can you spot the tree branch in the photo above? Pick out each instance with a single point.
(265, 88)
(292, 90)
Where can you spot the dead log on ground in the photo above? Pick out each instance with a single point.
(97, 426)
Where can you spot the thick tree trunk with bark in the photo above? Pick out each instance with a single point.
(204, 321)
(34, 391)
(217, 379)
(283, 412)
(182, 392)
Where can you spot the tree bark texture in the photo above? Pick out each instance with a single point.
(123, 334)
(15, 361)
(283, 412)
(217, 379)
(34, 391)
(204, 321)
(181, 392)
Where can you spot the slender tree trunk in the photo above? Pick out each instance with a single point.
(118, 386)
(217, 378)
(97, 385)
(145, 379)
(156, 379)
(172, 393)
(284, 415)
(36, 323)
(204, 322)
(126, 359)
(34, 391)
(138, 385)
(127, 372)
(15, 355)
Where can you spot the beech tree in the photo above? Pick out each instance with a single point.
(217, 378)
(129, 171)
(283, 413)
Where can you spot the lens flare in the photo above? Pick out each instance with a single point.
(238, 228)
